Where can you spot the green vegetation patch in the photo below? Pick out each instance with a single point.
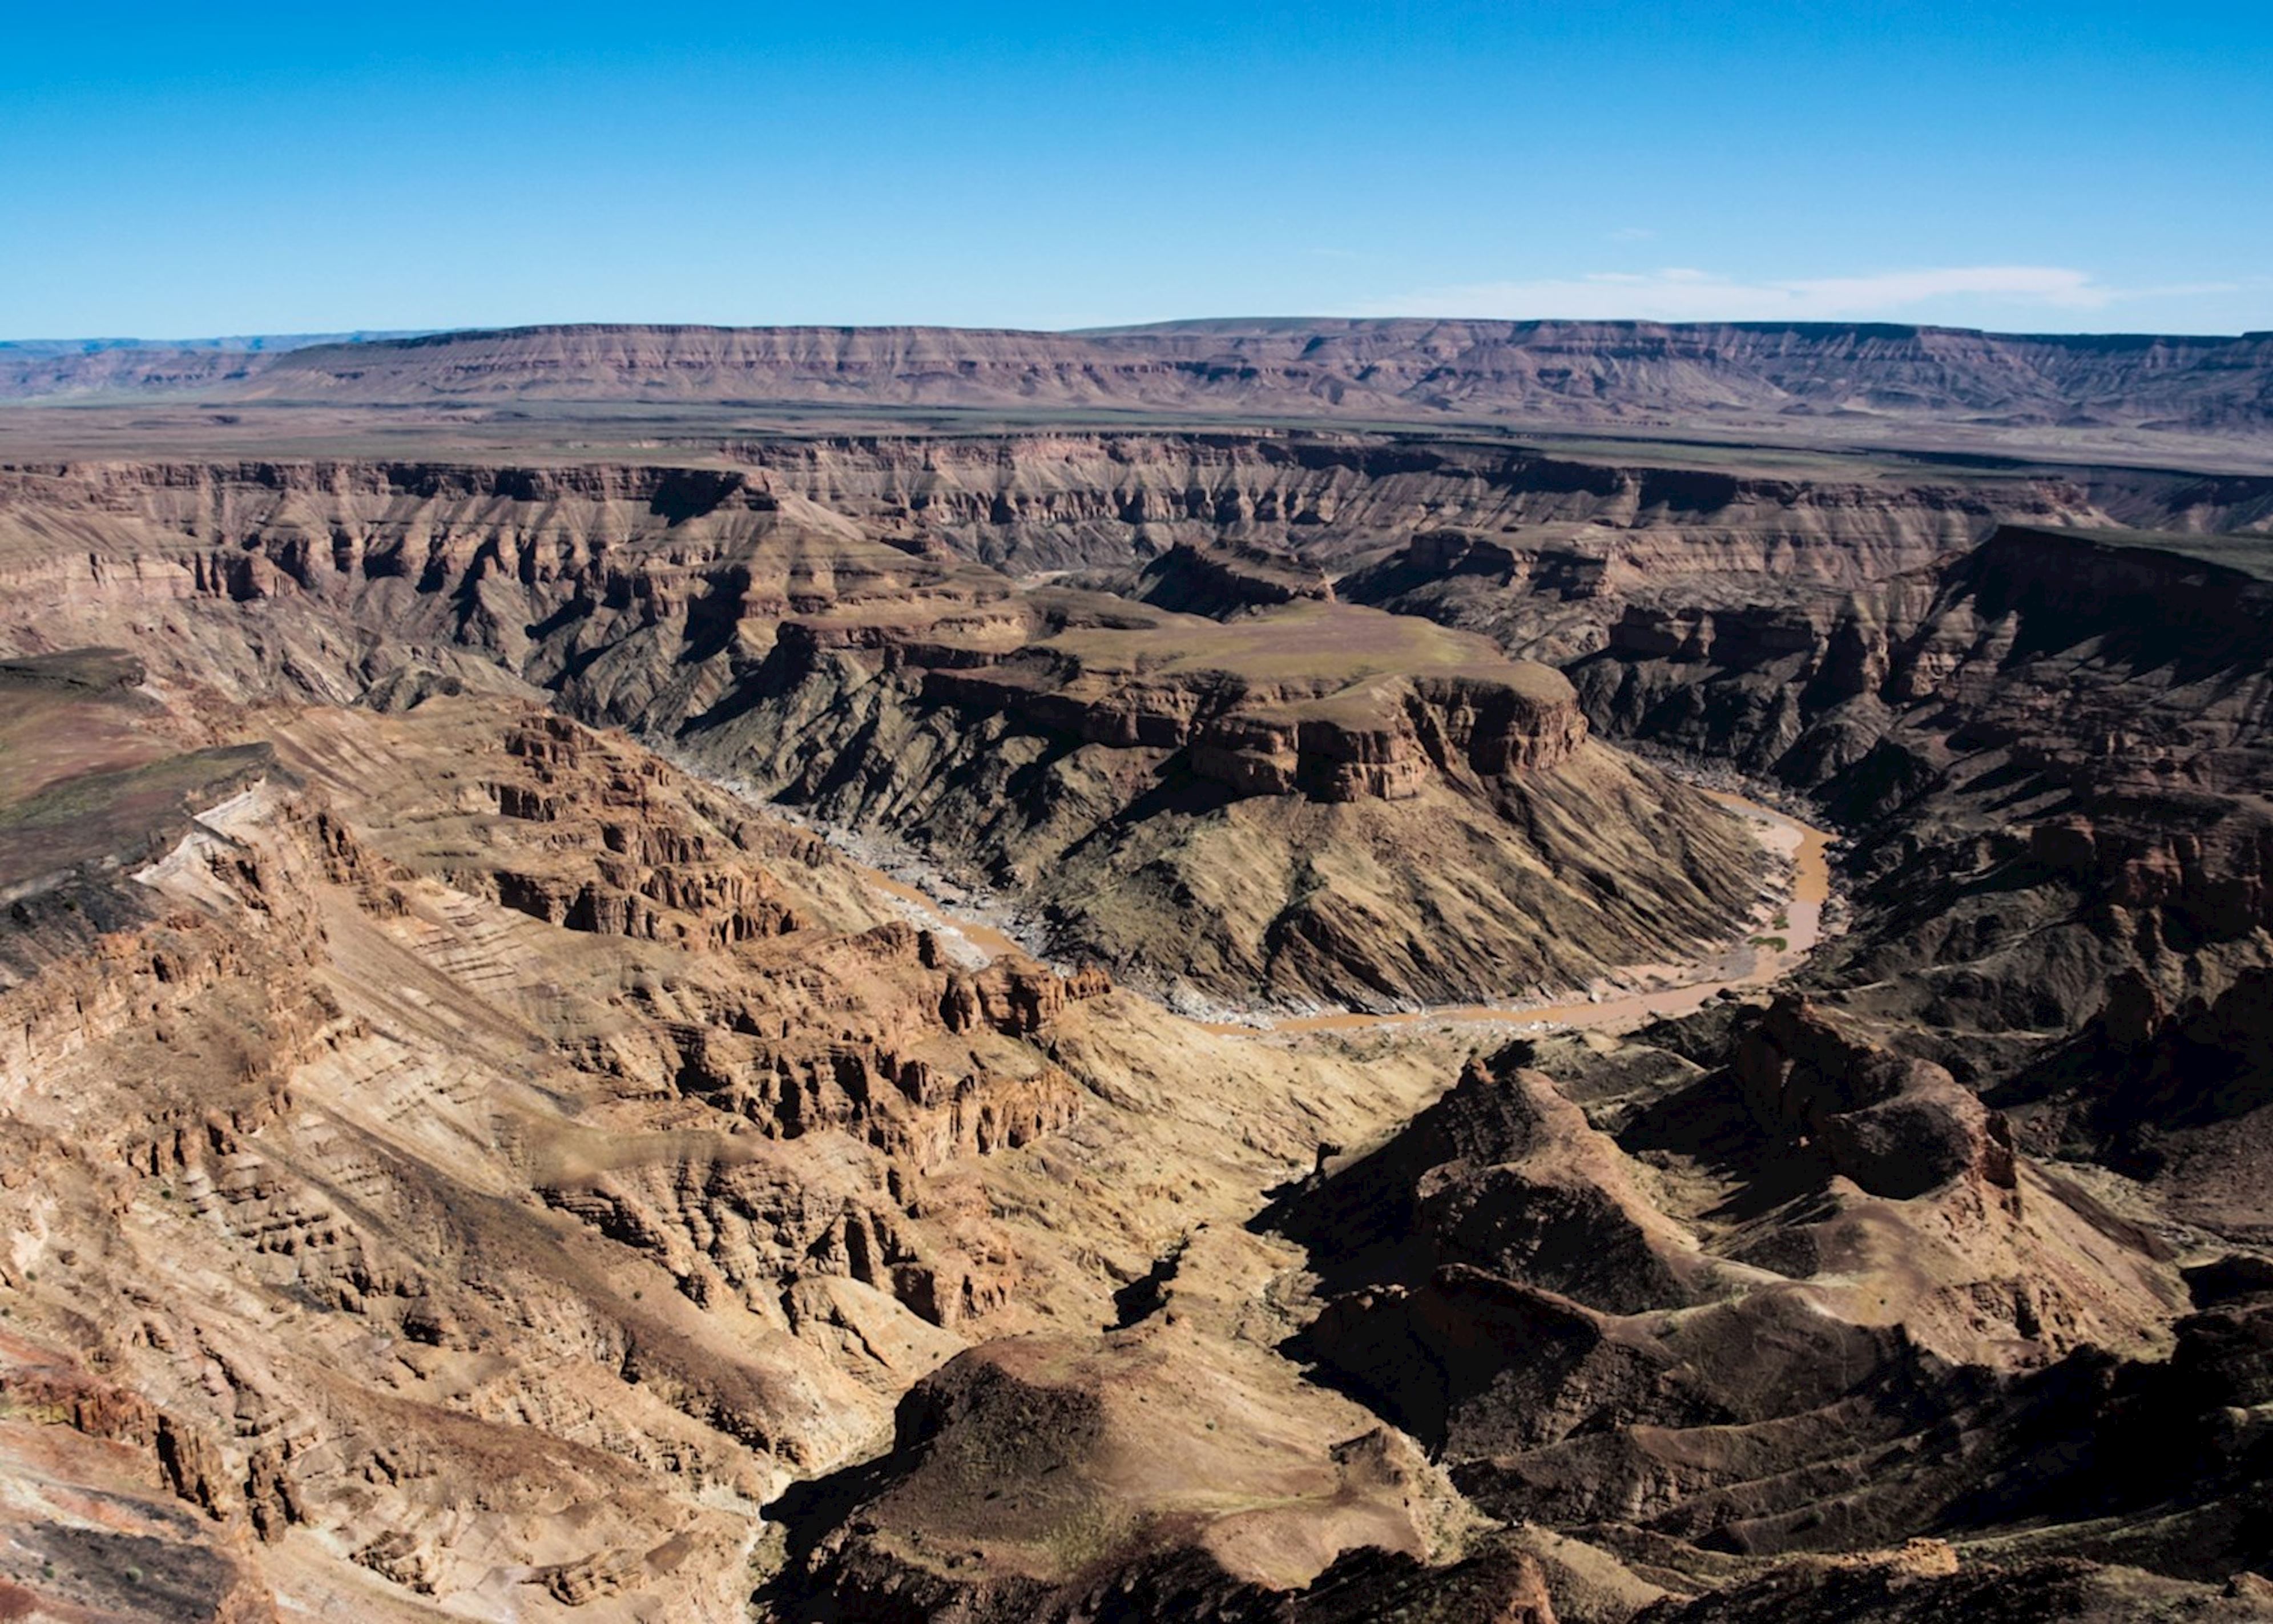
(2250, 555)
(117, 814)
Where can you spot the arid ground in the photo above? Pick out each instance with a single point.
(1239, 971)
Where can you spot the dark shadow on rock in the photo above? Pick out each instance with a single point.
(1709, 1123)
(713, 618)
(1146, 1294)
(808, 1512)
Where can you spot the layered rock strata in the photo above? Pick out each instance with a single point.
(453, 1161)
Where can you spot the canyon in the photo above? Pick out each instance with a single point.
(1327, 1113)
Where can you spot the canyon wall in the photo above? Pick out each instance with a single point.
(1045, 740)
(455, 1159)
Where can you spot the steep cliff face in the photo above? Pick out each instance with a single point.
(1385, 746)
(1034, 501)
(2063, 777)
(1037, 501)
(1330, 703)
(1634, 367)
(1222, 580)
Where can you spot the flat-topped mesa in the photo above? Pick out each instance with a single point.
(1376, 370)
(1325, 701)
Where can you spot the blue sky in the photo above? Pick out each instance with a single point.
(230, 169)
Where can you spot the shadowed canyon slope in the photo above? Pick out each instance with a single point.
(463, 1158)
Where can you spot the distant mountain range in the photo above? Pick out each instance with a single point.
(1641, 374)
(30, 368)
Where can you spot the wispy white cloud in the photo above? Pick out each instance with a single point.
(1631, 234)
(1682, 294)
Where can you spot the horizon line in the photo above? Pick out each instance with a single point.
(255, 342)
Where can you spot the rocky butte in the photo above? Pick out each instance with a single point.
(1169, 974)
